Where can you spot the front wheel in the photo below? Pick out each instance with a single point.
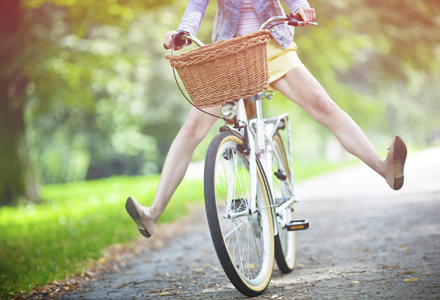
(243, 240)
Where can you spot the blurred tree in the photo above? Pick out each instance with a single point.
(15, 176)
(36, 64)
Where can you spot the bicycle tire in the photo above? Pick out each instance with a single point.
(285, 241)
(245, 244)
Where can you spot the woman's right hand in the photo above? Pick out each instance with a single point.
(305, 14)
(169, 41)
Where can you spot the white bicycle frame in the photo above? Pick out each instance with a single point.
(261, 147)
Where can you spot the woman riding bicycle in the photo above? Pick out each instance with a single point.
(287, 75)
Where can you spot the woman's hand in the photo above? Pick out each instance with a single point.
(305, 14)
(169, 41)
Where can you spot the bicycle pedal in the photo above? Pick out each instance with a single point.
(295, 225)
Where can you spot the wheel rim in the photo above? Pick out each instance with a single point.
(247, 237)
(280, 190)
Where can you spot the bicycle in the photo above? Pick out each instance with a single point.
(250, 214)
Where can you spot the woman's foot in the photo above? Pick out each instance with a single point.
(395, 163)
(141, 215)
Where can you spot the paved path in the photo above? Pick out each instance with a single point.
(365, 242)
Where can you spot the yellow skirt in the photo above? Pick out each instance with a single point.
(281, 60)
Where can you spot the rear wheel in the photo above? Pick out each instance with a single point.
(244, 241)
(285, 240)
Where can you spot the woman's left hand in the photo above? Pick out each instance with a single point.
(305, 14)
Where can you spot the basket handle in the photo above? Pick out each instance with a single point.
(180, 38)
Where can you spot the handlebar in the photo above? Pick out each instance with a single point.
(180, 37)
(288, 19)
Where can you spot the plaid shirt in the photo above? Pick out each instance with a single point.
(228, 12)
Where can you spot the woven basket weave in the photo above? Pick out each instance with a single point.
(225, 70)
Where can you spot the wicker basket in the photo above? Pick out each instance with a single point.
(225, 70)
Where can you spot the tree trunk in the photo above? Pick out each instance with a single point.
(16, 178)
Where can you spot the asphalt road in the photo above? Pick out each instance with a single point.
(365, 242)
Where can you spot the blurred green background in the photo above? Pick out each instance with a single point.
(86, 94)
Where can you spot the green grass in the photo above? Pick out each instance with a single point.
(42, 243)
(46, 242)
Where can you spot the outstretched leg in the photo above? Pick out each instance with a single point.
(301, 87)
(193, 131)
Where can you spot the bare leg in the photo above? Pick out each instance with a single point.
(193, 131)
(302, 88)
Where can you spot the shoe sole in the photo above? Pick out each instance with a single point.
(134, 214)
(400, 153)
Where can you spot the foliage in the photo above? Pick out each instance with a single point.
(397, 62)
(101, 99)
(90, 102)
(379, 62)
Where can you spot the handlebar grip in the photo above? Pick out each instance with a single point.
(178, 40)
(293, 22)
